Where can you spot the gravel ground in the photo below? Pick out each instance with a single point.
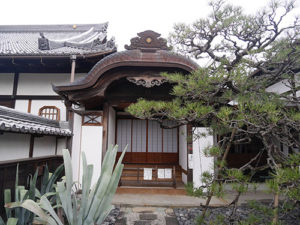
(187, 216)
(112, 217)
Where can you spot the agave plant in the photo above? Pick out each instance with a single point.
(21, 216)
(94, 204)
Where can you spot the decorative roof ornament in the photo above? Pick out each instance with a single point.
(43, 42)
(147, 82)
(90, 39)
(148, 41)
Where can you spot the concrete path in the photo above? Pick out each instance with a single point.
(146, 216)
(162, 200)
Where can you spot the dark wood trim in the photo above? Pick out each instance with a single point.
(56, 143)
(33, 97)
(189, 151)
(28, 160)
(183, 170)
(147, 133)
(162, 139)
(105, 129)
(15, 87)
(16, 82)
(98, 114)
(131, 135)
(31, 146)
(70, 139)
(29, 106)
(178, 143)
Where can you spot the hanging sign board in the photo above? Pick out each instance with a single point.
(161, 173)
(147, 173)
(168, 173)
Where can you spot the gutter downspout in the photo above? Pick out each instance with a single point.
(73, 58)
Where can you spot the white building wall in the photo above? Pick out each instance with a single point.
(111, 126)
(37, 104)
(91, 145)
(76, 146)
(61, 144)
(21, 105)
(201, 163)
(41, 83)
(6, 83)
(14, 146)
(44, 146)
(183, 150)
(279, 87)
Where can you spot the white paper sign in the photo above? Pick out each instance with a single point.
(190, 160)
(168, 173)
(147, 173)
(160, 173)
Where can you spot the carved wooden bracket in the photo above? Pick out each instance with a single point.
(148, 41)
(147, 82)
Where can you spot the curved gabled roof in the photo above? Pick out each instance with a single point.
(133, 58)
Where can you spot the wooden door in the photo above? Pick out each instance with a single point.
(147, 142)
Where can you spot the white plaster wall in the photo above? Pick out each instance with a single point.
(279, 87)
(76, 146)
(6, 83)
(40, 83)
(21, 105)
(14, 146)
(91, 145)
(37, 104)
(44, 146)
(201, 163)
(111, 126)
(183, 150)
(61, 144)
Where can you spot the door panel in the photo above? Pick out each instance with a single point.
(147, 142)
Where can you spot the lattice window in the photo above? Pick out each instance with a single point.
(50, 112)
(92, 119)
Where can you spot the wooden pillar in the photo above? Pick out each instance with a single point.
(29, 106)
(31, 146)
(15, 88)
(105, 129)
(189, 151)
(73, 58)
(71, 125)
(70, 114)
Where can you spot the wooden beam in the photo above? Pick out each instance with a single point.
(15, 87)
(16, 81)
(105, 129)
(189, 151)
(31, 146)
(71, 124)
(33, 97)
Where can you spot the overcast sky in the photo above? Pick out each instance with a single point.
(125, 17)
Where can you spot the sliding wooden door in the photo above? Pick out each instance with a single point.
(147, 142)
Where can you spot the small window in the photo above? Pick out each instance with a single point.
(92, 119)
(50, 112)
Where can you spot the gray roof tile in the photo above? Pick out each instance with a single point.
(22, 40)
(19, 122)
